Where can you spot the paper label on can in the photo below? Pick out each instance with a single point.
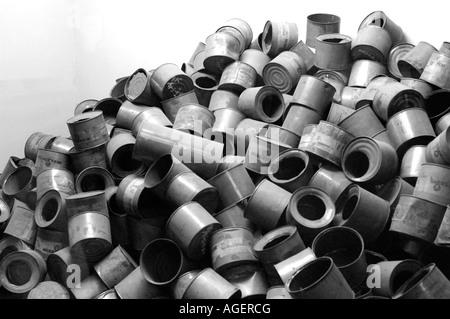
(47, 247)
(232, 246)
(128, 199)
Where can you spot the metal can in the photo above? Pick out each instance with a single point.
(88, 130)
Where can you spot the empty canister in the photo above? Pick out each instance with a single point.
(35, 142)
(61, 264)
(371, 43)
(442, 239)
(227, 119)
(237, 34)
(221, 50)
(397, 52)
(172, 105)
(119, 151)
(204, 86)
(134, 286)
(437, 70)
(208, 284)
(232, 252)
(393, 190)
(333, 51)
(284, 71)
(51, 211)
(50, 241)
(21, 224)
(338, 113)
(19, 183)
(96, 156)
(379, 18)
(191, 227)
(194, 119)
(252, 285)
(85, 106)
(419, 85)
(150, 117)
(233, 216)
(432, 184)
(237, 77)
(263, 103)
(333, 78)
(180, 284)
(364, 71)
(87, 201)
(88, 130)
(415, 61)
(143, 231)
(61, 180)
(138, 89)
(412, 162)
(278, 36)
(48, 159)
(321, 23)
(288, 267)
(315, 94)
(92, 179)
(298, 117)
(223, 99)
(127, 113)
(438, 150)
(258, 60)
(169, 81)
(109, 107)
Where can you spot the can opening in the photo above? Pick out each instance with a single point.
(268, 37)
(6, 251)
(158, 171)
(161, 261)
(272, 106)
(50, 209)
(400, 278)
(357, 164)
(18, 180)
(205, 82)
(113, 207)
(349, 207)
(275, 241)
(418, 277)
(334, 40)
(309, 274)
(379, 22)
(18, 273)
(311, 207)
(289, 168)
(136, 85)
(125, 161)
(92, 182)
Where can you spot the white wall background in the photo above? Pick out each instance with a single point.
(56, 53)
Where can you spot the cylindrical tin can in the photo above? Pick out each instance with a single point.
(315, 94)
(278, 36)
(364, 71)
(85, 106)
(138, 89)
(81, 160)
(21, 271)
(118, 219)
(345, 247)
(162, 261)
(210, 285)
(319, 279)
(233, 185)
(442, 239)
(333, 51)
(252, 285)
(394, 274)
(94, 201)
(244, 132)
(200, 47)
(134, 286)
(108, 294)
(152, 116)
(61, 264)
(191, 227)
(88, 288)
(221, 50)
(233, 216)
(415, 61)
(222, 99)
(438, 150)
(306, 54)
(321, 23)
(432, 183)
(61, 145)
(236, 33)
(232, 252)
(199, 58)
(48, 290)
(277, 133)
(168, 81)
(115, 267)
(258, 60)
(436, 104)
(331, 180)
(428, 283)
(189, 187)
(395, 97)
(363, 211)
(333, 78)
(263, 103)
(47, 159)
(298, 117)
(92, 179)
(19, 183)
(291, 170)
(119, 151)
(227, 120)
(311, 210)
(194, 119)
(35, 142)
(365, 160)
(22, 224)
(397, 52)
(442, 124)
(144, 231)
(437, 70)
(205, 84)
(109, 107)
(379, 18)
(59, 179)
(90, 236)
(237, 77)
(127, 113)
(243, 27)
(338, 113)
(326, 141)
(278, 292)
(284, 71)
(408, 128)
(412, 162)
(88, 130)
(417, 218)
(5, 214)
(371, 43)
(118, 90)
(276, 246)
(352, 96)
(393, 190)
(267, 206)
(180, 284)
(11, 164)
(288, 267)
(172, 105)
(419, 85)
(50, 241)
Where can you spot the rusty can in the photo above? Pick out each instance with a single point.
(283, 135)
(232, 252)
(284, 71)
(89, 287)
(85, 106)
(172, 105)
(21, 271)
(48, 159)
(333, 78)
(221, 50)
(92, 179)
(205, 84)
(180, 285)
(233, 216)
(191, 227)
(338, 113)
(258, 60)
(94, 201)
(244, 132)
(432, 184)
(11, 164)
(263, 104)
(118, 90)
(237, 77)
(90, 236)
(230, 30)
(81, 160)
(60, 265)
(288, 267)
(168, 81)
(321, 23)
(438, 150)
(436, 105)
(227, 120)
(278, 36)
(331, 180)
(61, 180)
(415, 61)
(222, 99)
(315, 94)
(35, 142)
(19, 183)
(437, 69)
(412, 162)
(371, 43)
(278, 292)
(364, 71)
(151, 116)
(379, 18)
(88, 130)
(393, 190)
(333, 51)
(109, 107)
(22, 224)
(397, 52)
(127, 113)
(5, 214)
(143, 231)
(194, 119)
(119, 153)
(210, 285)
(138, 88)
(352, 96)
(50, 241)
(298, 117)
(252, 285)
(419, 85)
(306, 54)
(51, 211)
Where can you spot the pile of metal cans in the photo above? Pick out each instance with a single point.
(264, 167)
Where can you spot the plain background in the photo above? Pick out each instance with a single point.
(56, 53)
